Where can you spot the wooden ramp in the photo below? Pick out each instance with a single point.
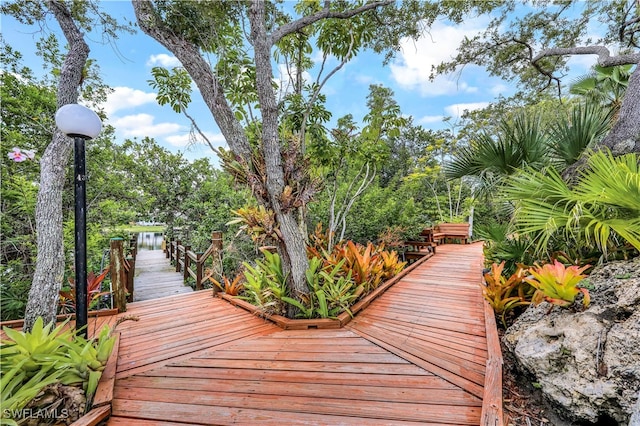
(416, 355)
(155, 277)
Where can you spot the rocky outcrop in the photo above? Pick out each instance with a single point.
(587, 363)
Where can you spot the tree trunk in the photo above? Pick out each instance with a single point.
(49, 273)
(624, 137)
(292, 248)
(293, 242)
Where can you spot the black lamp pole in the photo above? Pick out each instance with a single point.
(80, 179)
(81, 124)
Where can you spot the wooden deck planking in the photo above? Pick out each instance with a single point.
(416, 355)
(155, 277)
(456, 272)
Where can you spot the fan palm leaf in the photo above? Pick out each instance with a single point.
(603, 207)
(490, 159)
(571, 136)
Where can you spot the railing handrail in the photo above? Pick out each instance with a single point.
(191, 263)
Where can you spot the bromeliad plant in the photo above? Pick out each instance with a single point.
(331, 292)
(265, 284)
(94, 292)
(227, 286)
(505, 293)
(558, 284)
(368, 265)
(31, 361)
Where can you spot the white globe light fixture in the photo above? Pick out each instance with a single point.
(81, 124)
(75, 120)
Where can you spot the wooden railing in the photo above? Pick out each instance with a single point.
(122, 270)
(192, 263)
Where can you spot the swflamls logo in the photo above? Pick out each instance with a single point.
(56, 413)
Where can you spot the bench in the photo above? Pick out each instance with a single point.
(421, 247)
(445, 232)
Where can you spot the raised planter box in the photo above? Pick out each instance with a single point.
(91, 314)
(323, 323)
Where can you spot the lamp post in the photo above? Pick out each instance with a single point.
(81, 124)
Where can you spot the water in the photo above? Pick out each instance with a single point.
(150, 241)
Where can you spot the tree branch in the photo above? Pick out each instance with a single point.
(201, 73)
(604, 55)
(316, 93)
(542, 71)
(325, 13)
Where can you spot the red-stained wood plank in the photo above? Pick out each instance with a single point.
(104, 391)
(192, 404)
(93, 417)
(180, 414)
(128, 365)
(215, 372)
(345, 390)
(313, 366)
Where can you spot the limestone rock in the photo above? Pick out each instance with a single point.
(587, 363)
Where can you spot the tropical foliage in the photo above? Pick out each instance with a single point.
(337, 278)
(505, 293)
(558, 284)
(601, 210)
(45, 356)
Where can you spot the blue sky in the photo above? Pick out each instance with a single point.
(132, 110)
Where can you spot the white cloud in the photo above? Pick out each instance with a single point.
(126, 97)
(163, 60)
(414, 64)
(499, 89)
(186, 139)
(429, 119)
(141, 125)
(456, 110)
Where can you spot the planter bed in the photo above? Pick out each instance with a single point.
(92, 314)
(323, 323)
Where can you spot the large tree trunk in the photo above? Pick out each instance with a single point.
(292, 246)
(624, 137)
(49, 273)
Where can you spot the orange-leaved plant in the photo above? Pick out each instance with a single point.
(502, 293)
(94, 286)
(230, 287)
(558, 284)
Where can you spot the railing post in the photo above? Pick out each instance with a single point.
(133, 247)
(216, 252)
(186, 262)
(199, 265)
(130, 275)
(178, 245)
(117, 270)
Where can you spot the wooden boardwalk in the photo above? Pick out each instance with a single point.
(416, 355)
(155, 277)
